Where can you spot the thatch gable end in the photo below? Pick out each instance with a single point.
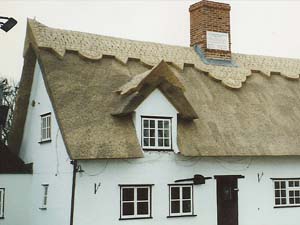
(135, 91)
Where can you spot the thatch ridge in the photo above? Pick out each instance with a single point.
(95, 46)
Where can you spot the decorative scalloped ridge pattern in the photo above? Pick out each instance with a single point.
(95, 46)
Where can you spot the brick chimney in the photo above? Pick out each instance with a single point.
(210, 29)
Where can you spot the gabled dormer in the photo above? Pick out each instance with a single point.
(156, 100)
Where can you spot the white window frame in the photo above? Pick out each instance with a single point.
(45, 193)
(286, 191)
(156, 146)
(46, 127)
(135, 201)
(181, 199)
(2, 198)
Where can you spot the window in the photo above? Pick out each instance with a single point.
(46, 127)
(2, 192)
(181, 200)
(287, 192)
(45, 196)
(156, 133)
(135, 201)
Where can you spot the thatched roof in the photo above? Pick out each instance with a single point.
(90, 77)
(135, 91)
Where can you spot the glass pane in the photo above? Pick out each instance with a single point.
(186, 206)
(277, 193)
(292, 201)
(277, 201)
(142, 194)
(296, 183)
(167, 143)
(146, 123)
(166, 133)
(152, 133)
(146, 133)
(166, 124)
(174, 192)
(160, 124)
(283, 193)
(186, 193)
(128, 194)
(160, 142)
(175, 208)
(291, 183)
(291, 193)
(283, 201)
(297, 193)
(152, 141)
(152, 124)
(142, 208)
(160, 133)
(146, 141)
(276, 184)
(128, 208)
(282, 184)
(297, 200)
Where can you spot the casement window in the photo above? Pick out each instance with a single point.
(2, 193)
(46, 127)
(45, 190)
(156, 133)
(287, 192)
(181, 200)
(135, 201)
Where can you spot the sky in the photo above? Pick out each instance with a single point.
(258, 27)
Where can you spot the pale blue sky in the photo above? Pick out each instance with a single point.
(257, 27)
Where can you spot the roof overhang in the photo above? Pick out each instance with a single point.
(135, 91)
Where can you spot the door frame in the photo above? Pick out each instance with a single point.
(219, 177)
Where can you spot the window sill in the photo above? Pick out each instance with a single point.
(43, 208)
(286, 206)
(158, 149)
(193, 215)
(44, 142)
(136, 218)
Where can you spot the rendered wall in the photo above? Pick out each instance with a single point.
(156, 104)
(256, 199)
(17, 194)
(51, 163)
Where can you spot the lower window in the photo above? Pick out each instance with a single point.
(135, 201)
(287, 192)
(181, 200)
(2, 192)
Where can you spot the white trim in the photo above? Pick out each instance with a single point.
(2, 197)
(286, 192)
(181, 199)
(46, 127)
(45, 196)
(156, 136)
(135, 201)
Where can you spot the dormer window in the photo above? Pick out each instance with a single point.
(156, 133)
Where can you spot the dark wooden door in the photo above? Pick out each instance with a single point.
(227, 200)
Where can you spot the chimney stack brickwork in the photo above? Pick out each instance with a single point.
(209, 16)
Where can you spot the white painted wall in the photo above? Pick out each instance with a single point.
(256, 199)
(156, 104)
(51, 163)
(16, 198)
